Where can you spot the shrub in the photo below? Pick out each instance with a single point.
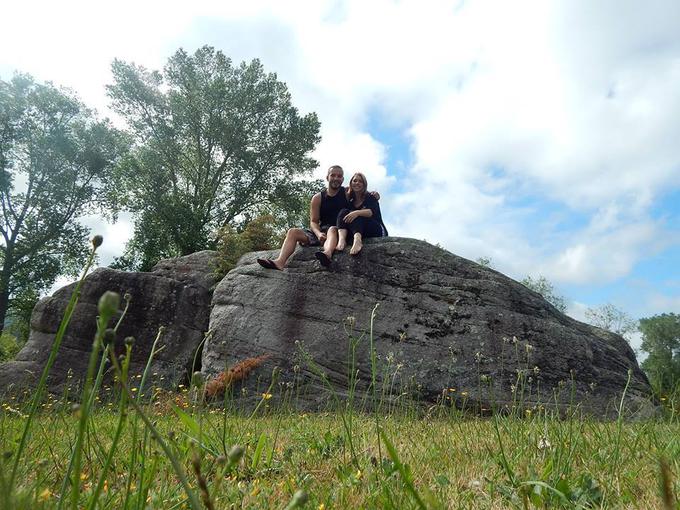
(259, 234)
(9, 347)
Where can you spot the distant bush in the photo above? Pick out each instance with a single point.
(9, 347)
(262, 233)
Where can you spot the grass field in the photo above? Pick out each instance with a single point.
(440, 459)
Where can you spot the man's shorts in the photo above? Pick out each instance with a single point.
(311, 236)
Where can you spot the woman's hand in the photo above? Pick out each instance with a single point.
(351, 217)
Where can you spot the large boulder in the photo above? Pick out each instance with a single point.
(446, 330)
(175, 294)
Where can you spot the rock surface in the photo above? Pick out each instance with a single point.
(175, 294)
(445, 328)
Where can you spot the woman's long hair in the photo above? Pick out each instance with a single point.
(352, 195)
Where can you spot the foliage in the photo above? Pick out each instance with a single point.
(9, 347)
(485, 261)
(259, 234)
(661, 340)
(56, 161)
(215, 145)
(546, 289)
(262, 234)
(612, 319)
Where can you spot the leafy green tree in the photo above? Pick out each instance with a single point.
(56, 162)
(215, 144)
(661, 340)
(612, 319)
(546, 289)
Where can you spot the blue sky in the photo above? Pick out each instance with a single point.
(540, 134)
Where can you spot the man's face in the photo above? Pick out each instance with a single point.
(335, 178)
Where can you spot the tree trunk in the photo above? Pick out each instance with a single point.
(4, 299)
(5, 276)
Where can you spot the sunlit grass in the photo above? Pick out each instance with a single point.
(453, 461)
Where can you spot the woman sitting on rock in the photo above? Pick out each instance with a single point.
(363, 219)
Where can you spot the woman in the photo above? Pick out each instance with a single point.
(362, 219)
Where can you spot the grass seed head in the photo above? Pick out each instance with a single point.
(108, 303)
(299, 500)
(197, 380)
(109, 336)
(235, 453)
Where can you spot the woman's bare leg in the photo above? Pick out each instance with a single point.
(331, 241)
(358, 244)
(342, 239)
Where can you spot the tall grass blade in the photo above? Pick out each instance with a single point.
(43, 378)
(405, 476)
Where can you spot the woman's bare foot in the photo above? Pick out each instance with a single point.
(342, 239)
(358, 244)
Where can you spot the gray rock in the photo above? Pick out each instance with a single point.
(176, 294)
(445, 330)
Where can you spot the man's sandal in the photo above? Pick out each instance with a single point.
(323, 258)
(268, 264)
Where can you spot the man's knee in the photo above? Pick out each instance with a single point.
(297, 234)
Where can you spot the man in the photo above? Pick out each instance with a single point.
(323, 214)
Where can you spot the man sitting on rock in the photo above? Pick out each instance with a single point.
(323, 214)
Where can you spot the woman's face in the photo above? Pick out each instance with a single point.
(357, 184)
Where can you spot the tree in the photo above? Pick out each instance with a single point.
(214, 145)
(56, 161)
(661, 340)
(612, 319)
(543, 286)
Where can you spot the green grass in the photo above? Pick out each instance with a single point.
(443, 460)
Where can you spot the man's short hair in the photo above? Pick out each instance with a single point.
(334, 167)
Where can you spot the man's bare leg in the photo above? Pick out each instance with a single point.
(293, 237)
(342, 239)
(358, 244)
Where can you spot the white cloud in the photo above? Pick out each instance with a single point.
(115, 235)
(660, 301)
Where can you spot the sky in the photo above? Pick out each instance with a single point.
(544, 135)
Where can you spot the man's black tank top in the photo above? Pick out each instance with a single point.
(331, 207)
